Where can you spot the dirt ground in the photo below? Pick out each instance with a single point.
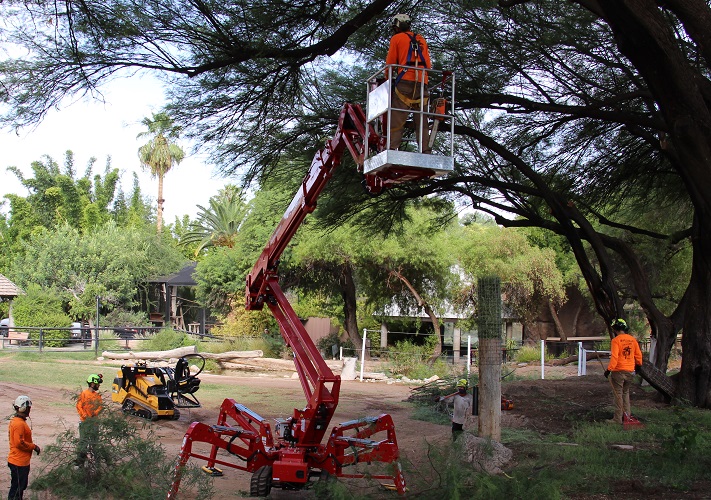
(551, 405)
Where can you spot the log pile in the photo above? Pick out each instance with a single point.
(249, 361)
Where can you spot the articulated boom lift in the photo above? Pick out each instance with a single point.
(289, 455)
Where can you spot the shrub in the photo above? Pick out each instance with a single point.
(42, 308)
(168, 339)
(410, 360)
(122, 317)
(325, 344)
(530, 354)
(121, 461)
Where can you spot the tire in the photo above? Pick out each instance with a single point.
(261, 483)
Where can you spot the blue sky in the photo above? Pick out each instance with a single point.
(92, 128)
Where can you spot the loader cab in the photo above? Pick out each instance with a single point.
(408, 162)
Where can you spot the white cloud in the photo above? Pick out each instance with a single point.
(92, 128)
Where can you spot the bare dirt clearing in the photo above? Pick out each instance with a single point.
(553, 405)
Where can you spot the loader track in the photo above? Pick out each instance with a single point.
(138, 410)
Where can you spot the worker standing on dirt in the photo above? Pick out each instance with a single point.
(89, 405)
(409, 52)
(625, 357)
(462, 404)
(21, 448)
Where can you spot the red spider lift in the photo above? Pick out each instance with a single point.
(290, 454)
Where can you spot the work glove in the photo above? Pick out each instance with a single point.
(638, 368)
(37, 449)
(607, 373)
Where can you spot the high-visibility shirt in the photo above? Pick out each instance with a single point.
(397, 54)
(624, 353)
(21, 445)
(88, 404)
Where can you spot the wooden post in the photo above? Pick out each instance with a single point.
(489, 322)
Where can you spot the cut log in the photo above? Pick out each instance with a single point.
(172, 353)
(572, 359)
(224, 356)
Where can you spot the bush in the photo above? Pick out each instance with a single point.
(122, 317)
(168, 339)
(325, 344)
(42, 308)
(121, 462)
(410, 360)
(243, 323)
(530, 354)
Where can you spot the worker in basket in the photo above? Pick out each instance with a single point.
(410, 82)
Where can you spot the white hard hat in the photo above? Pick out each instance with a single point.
(22, 403)
(401, 21)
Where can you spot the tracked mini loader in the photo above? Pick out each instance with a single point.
(157, 392)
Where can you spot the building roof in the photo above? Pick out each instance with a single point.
(184, 277)
(8, 289)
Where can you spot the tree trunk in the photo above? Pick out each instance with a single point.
(576, 318)
(556, 321)
(159, 213)
(350, 317)
(695, 376)
(428, 310)
(489, 324)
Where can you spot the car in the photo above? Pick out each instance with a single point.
(80, 331)
(4, 326)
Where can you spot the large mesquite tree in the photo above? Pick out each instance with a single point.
(589, 118)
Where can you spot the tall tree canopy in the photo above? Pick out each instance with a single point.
(572, 116)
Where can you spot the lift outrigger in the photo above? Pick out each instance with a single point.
(292, 453)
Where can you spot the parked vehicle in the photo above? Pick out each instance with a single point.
(80, 332)
(4, 326)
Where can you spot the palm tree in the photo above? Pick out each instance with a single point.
(159, 154)
(219, 224)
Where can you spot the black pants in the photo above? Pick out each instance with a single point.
(18, 480)
(457, 429)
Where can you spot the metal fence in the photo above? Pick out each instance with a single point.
(43, 339)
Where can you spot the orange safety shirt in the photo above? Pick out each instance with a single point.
(624, 353)
(21, 445)
(88, 404)
(397, 54)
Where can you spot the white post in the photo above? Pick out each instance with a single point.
(340, 353)
(581, 353)
(543, 359)
(469, 355)
(362, 355)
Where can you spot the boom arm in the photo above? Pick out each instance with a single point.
(289, 456)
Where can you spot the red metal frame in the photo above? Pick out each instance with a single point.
(298, 449)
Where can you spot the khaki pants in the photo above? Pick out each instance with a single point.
(401, 109)
(621, 383)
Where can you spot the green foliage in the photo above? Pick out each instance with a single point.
(530, 354)
(110, 262)
(243, 323)
(41, 308)
(219, 224)
(410, 360)
(122, 459)
(167, 339)
(684, 436)
(326, 343)
(122, 317)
